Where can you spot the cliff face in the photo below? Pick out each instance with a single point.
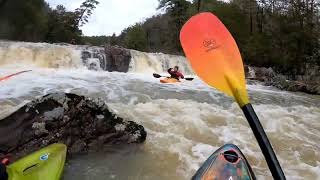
(80, 123)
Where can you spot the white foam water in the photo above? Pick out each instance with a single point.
(185, 122)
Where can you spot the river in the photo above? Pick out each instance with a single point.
(185, 122)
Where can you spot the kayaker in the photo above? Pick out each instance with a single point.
(3, 171)
(175, 73)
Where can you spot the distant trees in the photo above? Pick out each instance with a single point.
(178, 11)
(284, 34)
(34, 20)
(23, 20)
(95, 40)
(64, 26)
(136, 38)
(273, 33)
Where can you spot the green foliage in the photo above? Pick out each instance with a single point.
(95, 40)
(85, 11)
(34, 20)
(136, 38)
(159, 34)
(178, 15)
(283, 34)
(273, 33)
(63, 26)
(21, 25)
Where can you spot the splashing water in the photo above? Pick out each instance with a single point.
(185, 122)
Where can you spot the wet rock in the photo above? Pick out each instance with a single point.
(78, 146)
(108, 58)
(82, 124)
(94, 57)
(118, 58)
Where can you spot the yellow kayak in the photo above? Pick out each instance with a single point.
(169, 80)
(45, 164)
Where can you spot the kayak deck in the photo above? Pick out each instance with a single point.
(47, 163)
(227, 163)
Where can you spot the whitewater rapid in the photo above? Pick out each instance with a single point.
(185, 122)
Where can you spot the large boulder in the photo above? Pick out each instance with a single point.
(118, 59)
(81, 123)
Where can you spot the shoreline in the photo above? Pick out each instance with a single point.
(308, 83)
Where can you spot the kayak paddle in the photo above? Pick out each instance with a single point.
(9, 76)
(159, 76)
(215, 58)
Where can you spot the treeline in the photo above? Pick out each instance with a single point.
(36, 21)
(272, 33)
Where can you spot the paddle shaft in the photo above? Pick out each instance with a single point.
(9, 76)
(263, 141)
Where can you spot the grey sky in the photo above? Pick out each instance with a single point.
(112, 16)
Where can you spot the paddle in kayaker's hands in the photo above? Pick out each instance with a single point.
(175, 76)
(175, 73)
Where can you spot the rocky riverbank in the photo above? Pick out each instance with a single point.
(308, 83)
(83, 124)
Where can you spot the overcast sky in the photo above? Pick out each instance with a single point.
(112, 16)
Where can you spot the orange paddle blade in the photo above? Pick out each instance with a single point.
(214, 55)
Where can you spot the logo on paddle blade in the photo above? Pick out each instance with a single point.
(210, 44)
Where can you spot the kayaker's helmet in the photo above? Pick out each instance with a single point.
(176, 68)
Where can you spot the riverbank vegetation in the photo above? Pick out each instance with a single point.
(271, 33)
(36, 21)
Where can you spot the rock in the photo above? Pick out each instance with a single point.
(83, 124)
(118, 58)
(308, 83)
(108, 58)
(94, 57)
(313, 88)
(39, 128)
(78, 146)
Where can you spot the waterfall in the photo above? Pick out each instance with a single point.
(252, 73)
(157, 62)
(65, 56)
(39, 54)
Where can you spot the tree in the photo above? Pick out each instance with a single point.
(113, 39)
(18, 19)
(283, 34)
(64, 26)
(178, 11)
(199, 5)
(2, 3)
(85, 11)
(136, 38)
(34, 20)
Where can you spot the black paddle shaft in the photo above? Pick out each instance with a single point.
(264, 143)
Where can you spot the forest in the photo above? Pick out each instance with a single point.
(36, 21)
(283, 34)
